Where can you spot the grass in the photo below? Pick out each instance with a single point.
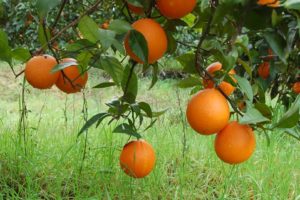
(50, 168)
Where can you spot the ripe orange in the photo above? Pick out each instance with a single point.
(29, 19)
(135, 9)
(270, 3)
(72, 72)
(105, 25)
(38, 71)
(226, 87)
(175, 9)
(264, 70)
(137, 158)
(270, 55)
(296, 87)
(208, 112)
(155, 36)
(241, 105)
(235, 143)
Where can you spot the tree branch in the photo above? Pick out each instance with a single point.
(59, 13)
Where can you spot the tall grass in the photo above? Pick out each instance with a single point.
(186, 167)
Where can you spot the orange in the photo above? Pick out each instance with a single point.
(235, 143)
(264, 70)
(29, 19)
(175, 9)
(270, 3)
(241, 105)
(270, 55)
(74, 81)
(156, 40)
(135, 9)
(226, 87)
(105, 25)
(137, 158)
(208, 112)
(296, 87)
(38, 71)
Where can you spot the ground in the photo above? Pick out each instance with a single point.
(186, 168)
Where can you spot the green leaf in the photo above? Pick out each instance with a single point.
(245, 66)
(120, 26)
(5, 50)
(294, 132)
(138, 45)
(188, 62)
(44, 6)
(277, 43)
(105, 85)
(93, 120)
(159, 113)
(172, 43)
(80, 45)
(21, 54)
(292, 4)
(264, 109)
(189, 82)
(126, 129)
(83, 60)
(146, 108)
(89, 29)
(107, 38)
(150, 125)
(253, 116)
(63, 65)
(245, 86)
(42, 38)
(113, 67)
(155, 73)
(291, 117)
(129, 84)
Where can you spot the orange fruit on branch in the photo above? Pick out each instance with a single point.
(226, 87)
(270, 55)
(137, 158)
(270, 3)
(264, 70)
(155, 36)
(175, 9)
(208, 112)
(105, 25)
(71, 80)
(235, 143)
(38, 71)
(296, 87)
(241, 105)
(135, 9)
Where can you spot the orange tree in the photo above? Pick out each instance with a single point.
(241, 35)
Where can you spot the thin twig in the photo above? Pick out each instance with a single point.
(59, 13)
(20, 73)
